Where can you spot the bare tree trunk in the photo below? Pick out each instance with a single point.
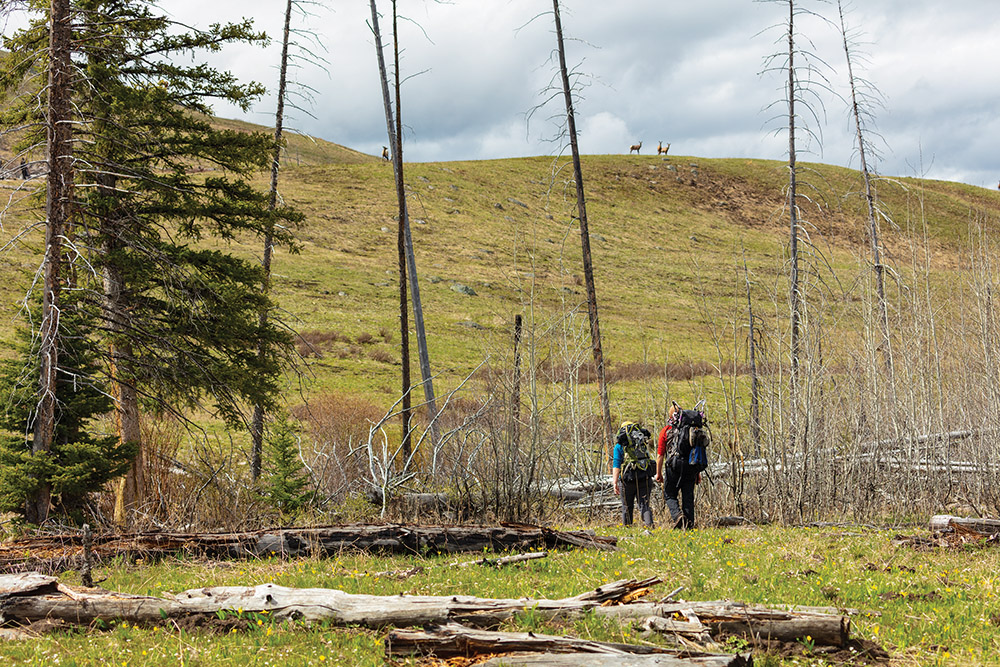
(57, 209)
(588, 266)
(515, 400)
(257, 425)
(873, 231)
(793, 247)
(395, 141)
(404, 315)
(754, 377)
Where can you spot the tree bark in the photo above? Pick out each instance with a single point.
(59, 148)
(588, 265)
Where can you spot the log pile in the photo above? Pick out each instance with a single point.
(452, 625)
(56, 553)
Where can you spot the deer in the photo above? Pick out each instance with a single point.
(385, 153)
(635, 147)
(660, 150)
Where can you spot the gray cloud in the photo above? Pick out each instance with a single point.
(685, 73)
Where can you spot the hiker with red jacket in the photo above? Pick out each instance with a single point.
(673, 471)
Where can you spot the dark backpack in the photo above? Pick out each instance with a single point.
(635, 442)
(689, 445)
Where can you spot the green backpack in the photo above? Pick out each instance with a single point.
(635, 442)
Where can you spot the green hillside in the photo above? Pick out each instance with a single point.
(668, 238)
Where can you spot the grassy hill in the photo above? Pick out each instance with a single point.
(669, 237)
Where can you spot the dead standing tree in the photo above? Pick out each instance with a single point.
(588, 265)
(257, 425)
(395, 142)
(859, 110)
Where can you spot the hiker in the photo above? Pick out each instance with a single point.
(673, 470)
(632, 472)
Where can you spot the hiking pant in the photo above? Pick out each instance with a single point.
(681, 514)
(637, 491)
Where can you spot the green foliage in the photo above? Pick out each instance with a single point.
(80, 462)
(287, 481)
(155, 176)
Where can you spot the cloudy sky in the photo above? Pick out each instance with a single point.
(688, 73)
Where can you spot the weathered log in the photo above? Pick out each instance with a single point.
(941, 523)
(86, 606)
(448, 641)
(734, 618)
(455, 640)
(600, 660)
(55, 553)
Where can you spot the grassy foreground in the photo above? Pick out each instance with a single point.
(925, 607)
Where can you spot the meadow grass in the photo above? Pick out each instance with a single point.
(926, 607)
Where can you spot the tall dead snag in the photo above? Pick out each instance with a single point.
(588, 265)
(794, 296)
(405, 413)
(395, 142)
(874, 242)
(57, 209)
(257, 425)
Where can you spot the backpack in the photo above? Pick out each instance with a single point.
(689, 445)
(635, 442)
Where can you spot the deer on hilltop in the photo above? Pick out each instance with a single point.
(635, 147)
(660, 150)
(385, 152)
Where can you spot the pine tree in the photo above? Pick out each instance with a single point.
(181, 322)
(78, 461)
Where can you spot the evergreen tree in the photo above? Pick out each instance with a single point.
(153, 177)
(78, 461)
(287, 487)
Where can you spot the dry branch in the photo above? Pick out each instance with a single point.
(455, 640)
(61, 552)
(505, 560)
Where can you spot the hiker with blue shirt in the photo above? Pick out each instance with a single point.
(632, 471)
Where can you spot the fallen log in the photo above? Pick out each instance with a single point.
(65, 552)
(451, 640)
(455, 640)
(590, 660)
(85, 606)
(943, 523)
(735, 618)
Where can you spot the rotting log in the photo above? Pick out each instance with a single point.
(615, 660)
(84, 606)
(734, 618)
(63, 552)
(455, 640)
(941, 523)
